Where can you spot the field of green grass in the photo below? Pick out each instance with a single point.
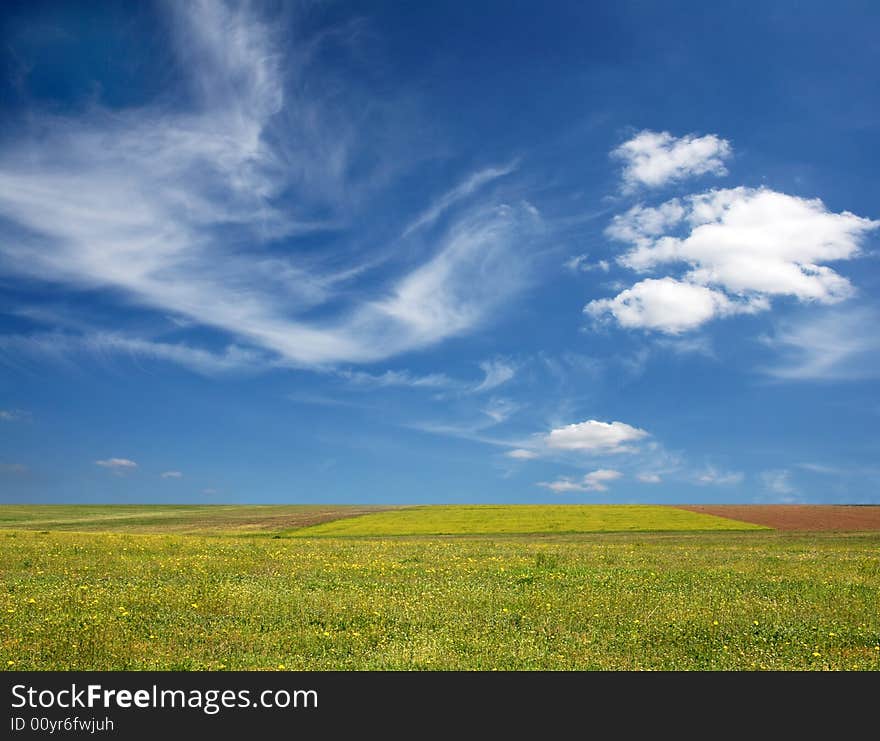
(262, 600)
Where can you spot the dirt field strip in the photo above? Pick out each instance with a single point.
(803, 517)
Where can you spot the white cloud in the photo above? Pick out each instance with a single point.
(777, 482)
(61, 346)
(562, 485)
(742, 246)
(521, 454)
(582, 264)
(575, 263)
(593, 481)
(596, 480)
(821, 468)
(496, 373)
(118, 465)
(749, 240)
(13, 468)
(181, 212)
(667, 305)
(466, 188)
(712, 476)
(455, 291)
(654, 158)
(499, 409)
(836, 345)
(397, 378)
(642, 224)
(171, 475)
(593, 436)
(649, 478)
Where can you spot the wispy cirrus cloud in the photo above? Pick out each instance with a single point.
(711, 476)
(500, 409)
(458, 193)
(171, 475)
(497, 372)
(402, 378)
(193, 212)
(835, 345)
(64, 346)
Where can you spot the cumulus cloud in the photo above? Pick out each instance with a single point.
(593, 436)
(649, 478)
(652, 158)
(640, 225)
(593, 481)
(521, 454)
(755, 240)
(118, 465)
(743, 246)
(171, 475)
(668, 305)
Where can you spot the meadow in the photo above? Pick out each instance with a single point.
(522, 519)
(277, 598)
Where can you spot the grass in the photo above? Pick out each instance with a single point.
(524, 519)
(669, 601)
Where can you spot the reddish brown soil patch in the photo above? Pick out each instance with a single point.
(850, 518)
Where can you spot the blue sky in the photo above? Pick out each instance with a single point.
(452, 252)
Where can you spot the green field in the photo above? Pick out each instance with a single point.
(525, 519)
(259, 599)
